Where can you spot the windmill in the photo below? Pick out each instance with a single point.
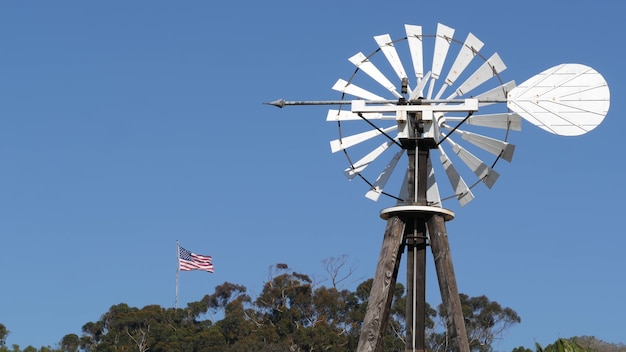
(462, 111)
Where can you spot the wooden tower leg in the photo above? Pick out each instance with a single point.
(447, 283)
(383, 285)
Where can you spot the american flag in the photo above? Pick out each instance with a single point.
(192, 261)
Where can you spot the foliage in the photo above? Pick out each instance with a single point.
(593, 344)
(562, 345)
(291, 313)
(577, 344)
(485, 321)
(580, 344)
(3, 334)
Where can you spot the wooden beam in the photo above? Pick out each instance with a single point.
(383, 285)
(440, 247)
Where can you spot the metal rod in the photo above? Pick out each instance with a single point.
(281, 103)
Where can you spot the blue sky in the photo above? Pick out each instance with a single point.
(127, 126)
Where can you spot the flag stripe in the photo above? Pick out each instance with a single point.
(191, 261)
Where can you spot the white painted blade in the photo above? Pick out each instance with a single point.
(463, 193)
(432, 191)
(415, 41)
(471, 47)
(347, 115)
(354, 90)
(504, 121)
(567, 100)
(382, 179)
(442, 44)
(361, 61)
(497, 94)
(487, 70)
(419, 90)
(349, 141)
(364, 162)
(486, 174)
(386, 45)
(494, 146)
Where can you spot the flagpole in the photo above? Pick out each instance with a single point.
(177, 271)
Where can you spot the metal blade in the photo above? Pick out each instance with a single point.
(463, 193)
(364, 162)
(505, 121)
(419, 90)
(361, 61)
(567, 100)
(382, 179)
(346, 115)
(354, 90)
(349, 141)
(470, 48)
(487, 70)
(386, 45)
(497, 94)
(432, 191)
(415, 41)
(486, 174)
(442, 44)
(494, 146)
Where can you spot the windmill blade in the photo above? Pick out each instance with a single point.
(470, 48)
(418, 92)
(364, 162)
(347, 115)
(463, 193)
(386, 45)
(498, 94)
(507, 120)
(375, 192)
(494, 146)
(486, 174)
(361, 61)
(349, 141)
(494, 65)
(567, 100)
(442, 44)
(432, 191)
(354, 90)
(415, 41)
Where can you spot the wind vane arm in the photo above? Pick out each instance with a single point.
(281, 103)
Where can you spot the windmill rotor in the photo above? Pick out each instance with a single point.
(453, 129)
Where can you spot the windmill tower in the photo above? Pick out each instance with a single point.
(461, 111)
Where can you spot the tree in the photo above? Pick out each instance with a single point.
(597, 345)
(292, 313)
(485, 322)
(562, 345)
(3, 334)
(70, 343)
